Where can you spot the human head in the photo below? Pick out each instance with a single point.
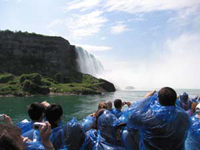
(53, 114)
(36, 112)
(167, 96)
(109, 105)
(102, 105)
(184, 97)
(10, 138)
(118, 103)
(198, 111)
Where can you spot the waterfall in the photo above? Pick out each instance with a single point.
(87, 63)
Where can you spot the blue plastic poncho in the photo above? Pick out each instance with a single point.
(130, 139)
(57, 138)
(101, 144)
(160, 127)
(29, 134)
(185, 101)
(94, 141)
(117, 113)
(193, 139)
(25, 125)
(90, 140)
(106, 126)
(34, 146)
(196, 100)
(74, 135)
(87, 123)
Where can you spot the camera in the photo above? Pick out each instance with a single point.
(1, 117)
(38, 125)
(124, 102)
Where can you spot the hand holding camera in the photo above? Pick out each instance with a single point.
(127, 103)
(5, 118)
(45, 133)
(38, 125)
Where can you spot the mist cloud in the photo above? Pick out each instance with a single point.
(176, 66)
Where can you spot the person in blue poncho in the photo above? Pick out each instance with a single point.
(161, 124)
(193, 139)
(118, 107)
(117, 111)
(184, 101)
(104, 137)
(74, 135)
(45, 143)
(36, 112)
(54, 115)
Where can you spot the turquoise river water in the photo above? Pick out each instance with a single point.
(73, 106)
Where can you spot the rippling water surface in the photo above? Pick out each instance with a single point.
(73, 106)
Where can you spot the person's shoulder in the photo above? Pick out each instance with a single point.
(182, 113)
(57, 131)
(114, 110)
(111, 110)
(24, 122)
(25, 125)
(182, 116)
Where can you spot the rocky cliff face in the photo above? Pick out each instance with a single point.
(37, 64)
(27, 53)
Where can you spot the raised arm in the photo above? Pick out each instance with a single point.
(45, 133)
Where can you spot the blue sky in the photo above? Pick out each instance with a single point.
(145, 43)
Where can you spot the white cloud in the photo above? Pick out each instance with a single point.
(119, 28)
(103, 38)
(132, 6)
(189, 16)
(82, 4)
(78, 26)
(94, 48)
(140, 6)
(55, 23)
(56, 27)
(87, 25)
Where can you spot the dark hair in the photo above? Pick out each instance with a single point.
(167, 96)
(53, 113)
(118, 103)
(36, 111)
(10, 138)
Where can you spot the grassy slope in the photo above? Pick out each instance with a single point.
(29, 84)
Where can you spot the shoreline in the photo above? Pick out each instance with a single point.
(50, 94)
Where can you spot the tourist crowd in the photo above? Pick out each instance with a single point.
(160, 121)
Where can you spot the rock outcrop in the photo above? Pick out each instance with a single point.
(28, 53)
